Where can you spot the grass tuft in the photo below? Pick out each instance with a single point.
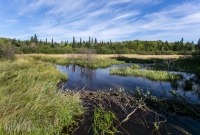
(28, 99)
(150, 74)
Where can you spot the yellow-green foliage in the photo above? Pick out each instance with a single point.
(29, 103)
(103, 122)
(135, 66)
(150, 74)
(95, 63)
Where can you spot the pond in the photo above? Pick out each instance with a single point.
(99, 79)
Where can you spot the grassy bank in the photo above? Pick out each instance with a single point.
(28, 99)
(109, 56)
(150, 74)
(92, 62)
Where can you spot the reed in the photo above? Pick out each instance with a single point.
(28, 99)
(149, 74)
(94, 63)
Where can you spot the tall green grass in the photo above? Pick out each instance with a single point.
(95, 63)
(150, 74)
(29, 102)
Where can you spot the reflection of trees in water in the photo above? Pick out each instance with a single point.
(87, 73)
(73, 68)
(196, 88)
(174, 84)
(192, 84)
(184, 63)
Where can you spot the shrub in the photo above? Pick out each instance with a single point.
(7, 52)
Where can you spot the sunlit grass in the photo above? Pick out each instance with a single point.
(109, 56)
(96, 62)
(150, 74)
(28, 99)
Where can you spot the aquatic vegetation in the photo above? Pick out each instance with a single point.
(120, 111)
(150, 74)
(103, 122)
(135, 66)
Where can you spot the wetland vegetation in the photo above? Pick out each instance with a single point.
(150, 74)
(29, 101)
(32, 102)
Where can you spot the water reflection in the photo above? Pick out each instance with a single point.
(99, 79)
(87, 73)
(78, 76)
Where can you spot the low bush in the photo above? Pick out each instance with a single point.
(7, 51)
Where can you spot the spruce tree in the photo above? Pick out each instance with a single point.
(52, 44)
(35, 39)
(74, 42)
(92, 41)
(95, 41)
(198, 42)
(31, 39)
(65, 43)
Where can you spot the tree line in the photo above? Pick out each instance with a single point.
(101, 47)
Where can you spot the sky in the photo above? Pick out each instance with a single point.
(118, 20)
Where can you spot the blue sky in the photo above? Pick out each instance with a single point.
(117, 20)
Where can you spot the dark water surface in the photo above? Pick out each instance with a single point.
(99, 79)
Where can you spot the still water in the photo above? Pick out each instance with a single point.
(99, 79)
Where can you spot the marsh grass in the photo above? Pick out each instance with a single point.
(135, 66)
(96, 63)
(28, 99)
(109, 56)
(150, 74)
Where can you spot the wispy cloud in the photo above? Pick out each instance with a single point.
(11, 21)
(117, 2)
(105, 20)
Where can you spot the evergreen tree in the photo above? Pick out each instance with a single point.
(182, 40)
(88, 45)
(181, 47)
(65, 43)
(35, 39)
(31, 39)
(40, 43)
(198, 42)
(52, 44)
(74, 42)
(95, 41)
